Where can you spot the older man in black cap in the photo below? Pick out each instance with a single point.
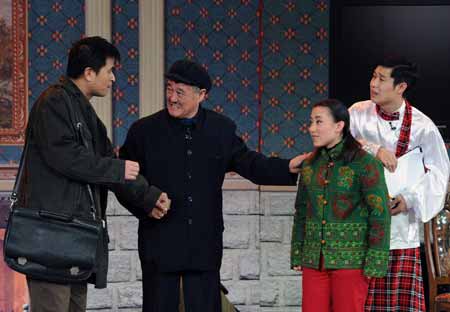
(186, 150)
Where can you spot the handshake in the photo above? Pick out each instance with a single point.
(162, 207)
(162, 204)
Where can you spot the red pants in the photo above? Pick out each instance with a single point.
(343, 290)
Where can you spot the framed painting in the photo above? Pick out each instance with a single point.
(13, 71)
(13, 79)
(13, 118)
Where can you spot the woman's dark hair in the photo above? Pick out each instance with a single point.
(339, 112)
(90, 52)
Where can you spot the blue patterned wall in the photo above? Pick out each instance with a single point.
(53, 26)
(268, 61)
(221, 35)
(125, 97)
(295, 72)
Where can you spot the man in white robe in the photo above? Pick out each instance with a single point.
(388, 127)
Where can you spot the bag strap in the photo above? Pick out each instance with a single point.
(13, 197)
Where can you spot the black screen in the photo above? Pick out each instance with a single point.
(361, 34)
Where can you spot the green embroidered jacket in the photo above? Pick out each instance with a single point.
(342, 212)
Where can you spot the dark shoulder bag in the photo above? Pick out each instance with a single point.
(49, 246)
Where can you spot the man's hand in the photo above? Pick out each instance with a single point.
(398, 205)
(297, 268)
(131, 170)
(294, 164)
(163, 202)
(156, 213)
(387, 158)
(162, 207)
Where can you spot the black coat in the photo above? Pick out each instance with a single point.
(190, 166)
(68, 149)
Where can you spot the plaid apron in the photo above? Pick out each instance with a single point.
(402, 289)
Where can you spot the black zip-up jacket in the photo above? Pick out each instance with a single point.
(189, 164)
(68, 149)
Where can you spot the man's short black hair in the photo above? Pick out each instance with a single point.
(90, 52)
(403, 70)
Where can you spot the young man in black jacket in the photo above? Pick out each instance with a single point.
(186, 150)
(68, 149)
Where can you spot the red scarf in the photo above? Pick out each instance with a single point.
(387, 116)
(405, 131)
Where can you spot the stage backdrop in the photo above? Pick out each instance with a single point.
(13, 81)
(52, 27)
(268, 61)
(13, 70)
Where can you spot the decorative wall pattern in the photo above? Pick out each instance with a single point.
(287, 40)
(221, 35)
(295, 72)
(268, 61)
(52, 28)
(125, 97)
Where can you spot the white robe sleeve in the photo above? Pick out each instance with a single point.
(369, 147)
(426, 197)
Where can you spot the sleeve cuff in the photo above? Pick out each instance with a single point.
(410, 200)
(376, 263)
(295, 254)
(371, 148)
(151, 198)
(121, 165)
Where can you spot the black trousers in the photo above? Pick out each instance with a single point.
(161, 291)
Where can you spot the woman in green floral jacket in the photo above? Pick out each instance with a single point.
(340, 237)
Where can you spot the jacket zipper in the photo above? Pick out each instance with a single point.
(80, 133)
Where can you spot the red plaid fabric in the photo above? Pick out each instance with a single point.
(402, 289)
(405, 131)
(403, 140)
(387, 116)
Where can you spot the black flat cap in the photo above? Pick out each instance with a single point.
(190, 73)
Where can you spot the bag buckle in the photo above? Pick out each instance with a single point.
(74, 270)
(22, 260)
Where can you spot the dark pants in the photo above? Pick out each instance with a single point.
(51, 297)
(161, 291)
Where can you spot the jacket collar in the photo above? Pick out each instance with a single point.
(197, 121)
(96, 127)
(334, 152)
(75, 92)
(71, 88)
